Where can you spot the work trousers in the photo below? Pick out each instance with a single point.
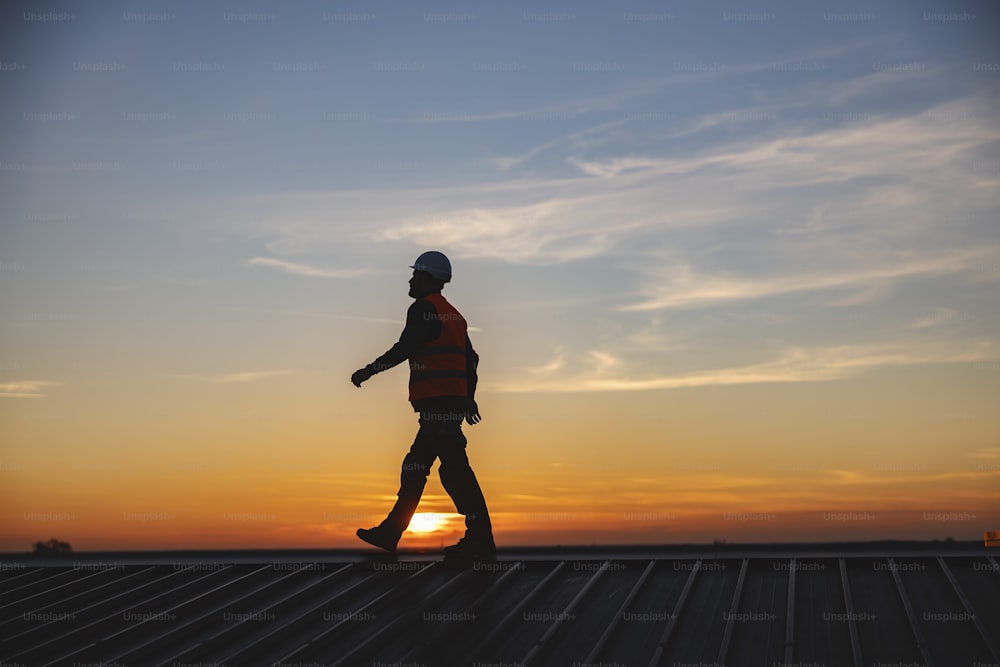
(440, 437)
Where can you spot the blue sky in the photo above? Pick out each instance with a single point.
(786, 161)
(637, 198)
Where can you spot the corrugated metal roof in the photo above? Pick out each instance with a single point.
(708, 606)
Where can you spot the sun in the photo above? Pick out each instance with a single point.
(427, 522)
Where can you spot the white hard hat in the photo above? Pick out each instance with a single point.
(434, 263)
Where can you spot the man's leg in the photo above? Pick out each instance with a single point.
(461, 484)
(416, 466)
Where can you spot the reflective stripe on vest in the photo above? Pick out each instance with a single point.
(439, 367)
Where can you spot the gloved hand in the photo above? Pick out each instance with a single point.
(472, 412)
(361, 375)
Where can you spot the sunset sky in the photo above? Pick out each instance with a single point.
(732, 269)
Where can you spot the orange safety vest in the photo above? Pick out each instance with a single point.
(438, 368)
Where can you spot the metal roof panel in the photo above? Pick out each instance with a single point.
(626, 606)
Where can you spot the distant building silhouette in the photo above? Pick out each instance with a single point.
(52, 547)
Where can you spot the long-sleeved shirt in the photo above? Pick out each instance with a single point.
(423, 326)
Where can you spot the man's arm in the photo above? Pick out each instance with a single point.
(471, 364)
(420, 328)
(471, 380)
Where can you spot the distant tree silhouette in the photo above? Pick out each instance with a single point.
(52, 547)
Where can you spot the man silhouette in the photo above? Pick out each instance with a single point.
(442, 390)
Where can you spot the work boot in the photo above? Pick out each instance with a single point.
(472, 548)
(380, 536)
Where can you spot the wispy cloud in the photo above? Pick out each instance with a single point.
(653, 337)
(682, 287)
(578, 140)
(537, 233)
(602, 361)
(987, 453)
(229, 378)
(795, 364)
(610, 98)
(891, 171)
(617, 96)
(26, 388)
(801, 153)
(939, 316)
(306, 269)
(799, 178)
(555, 364)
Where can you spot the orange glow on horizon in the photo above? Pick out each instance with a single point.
(611, 474)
